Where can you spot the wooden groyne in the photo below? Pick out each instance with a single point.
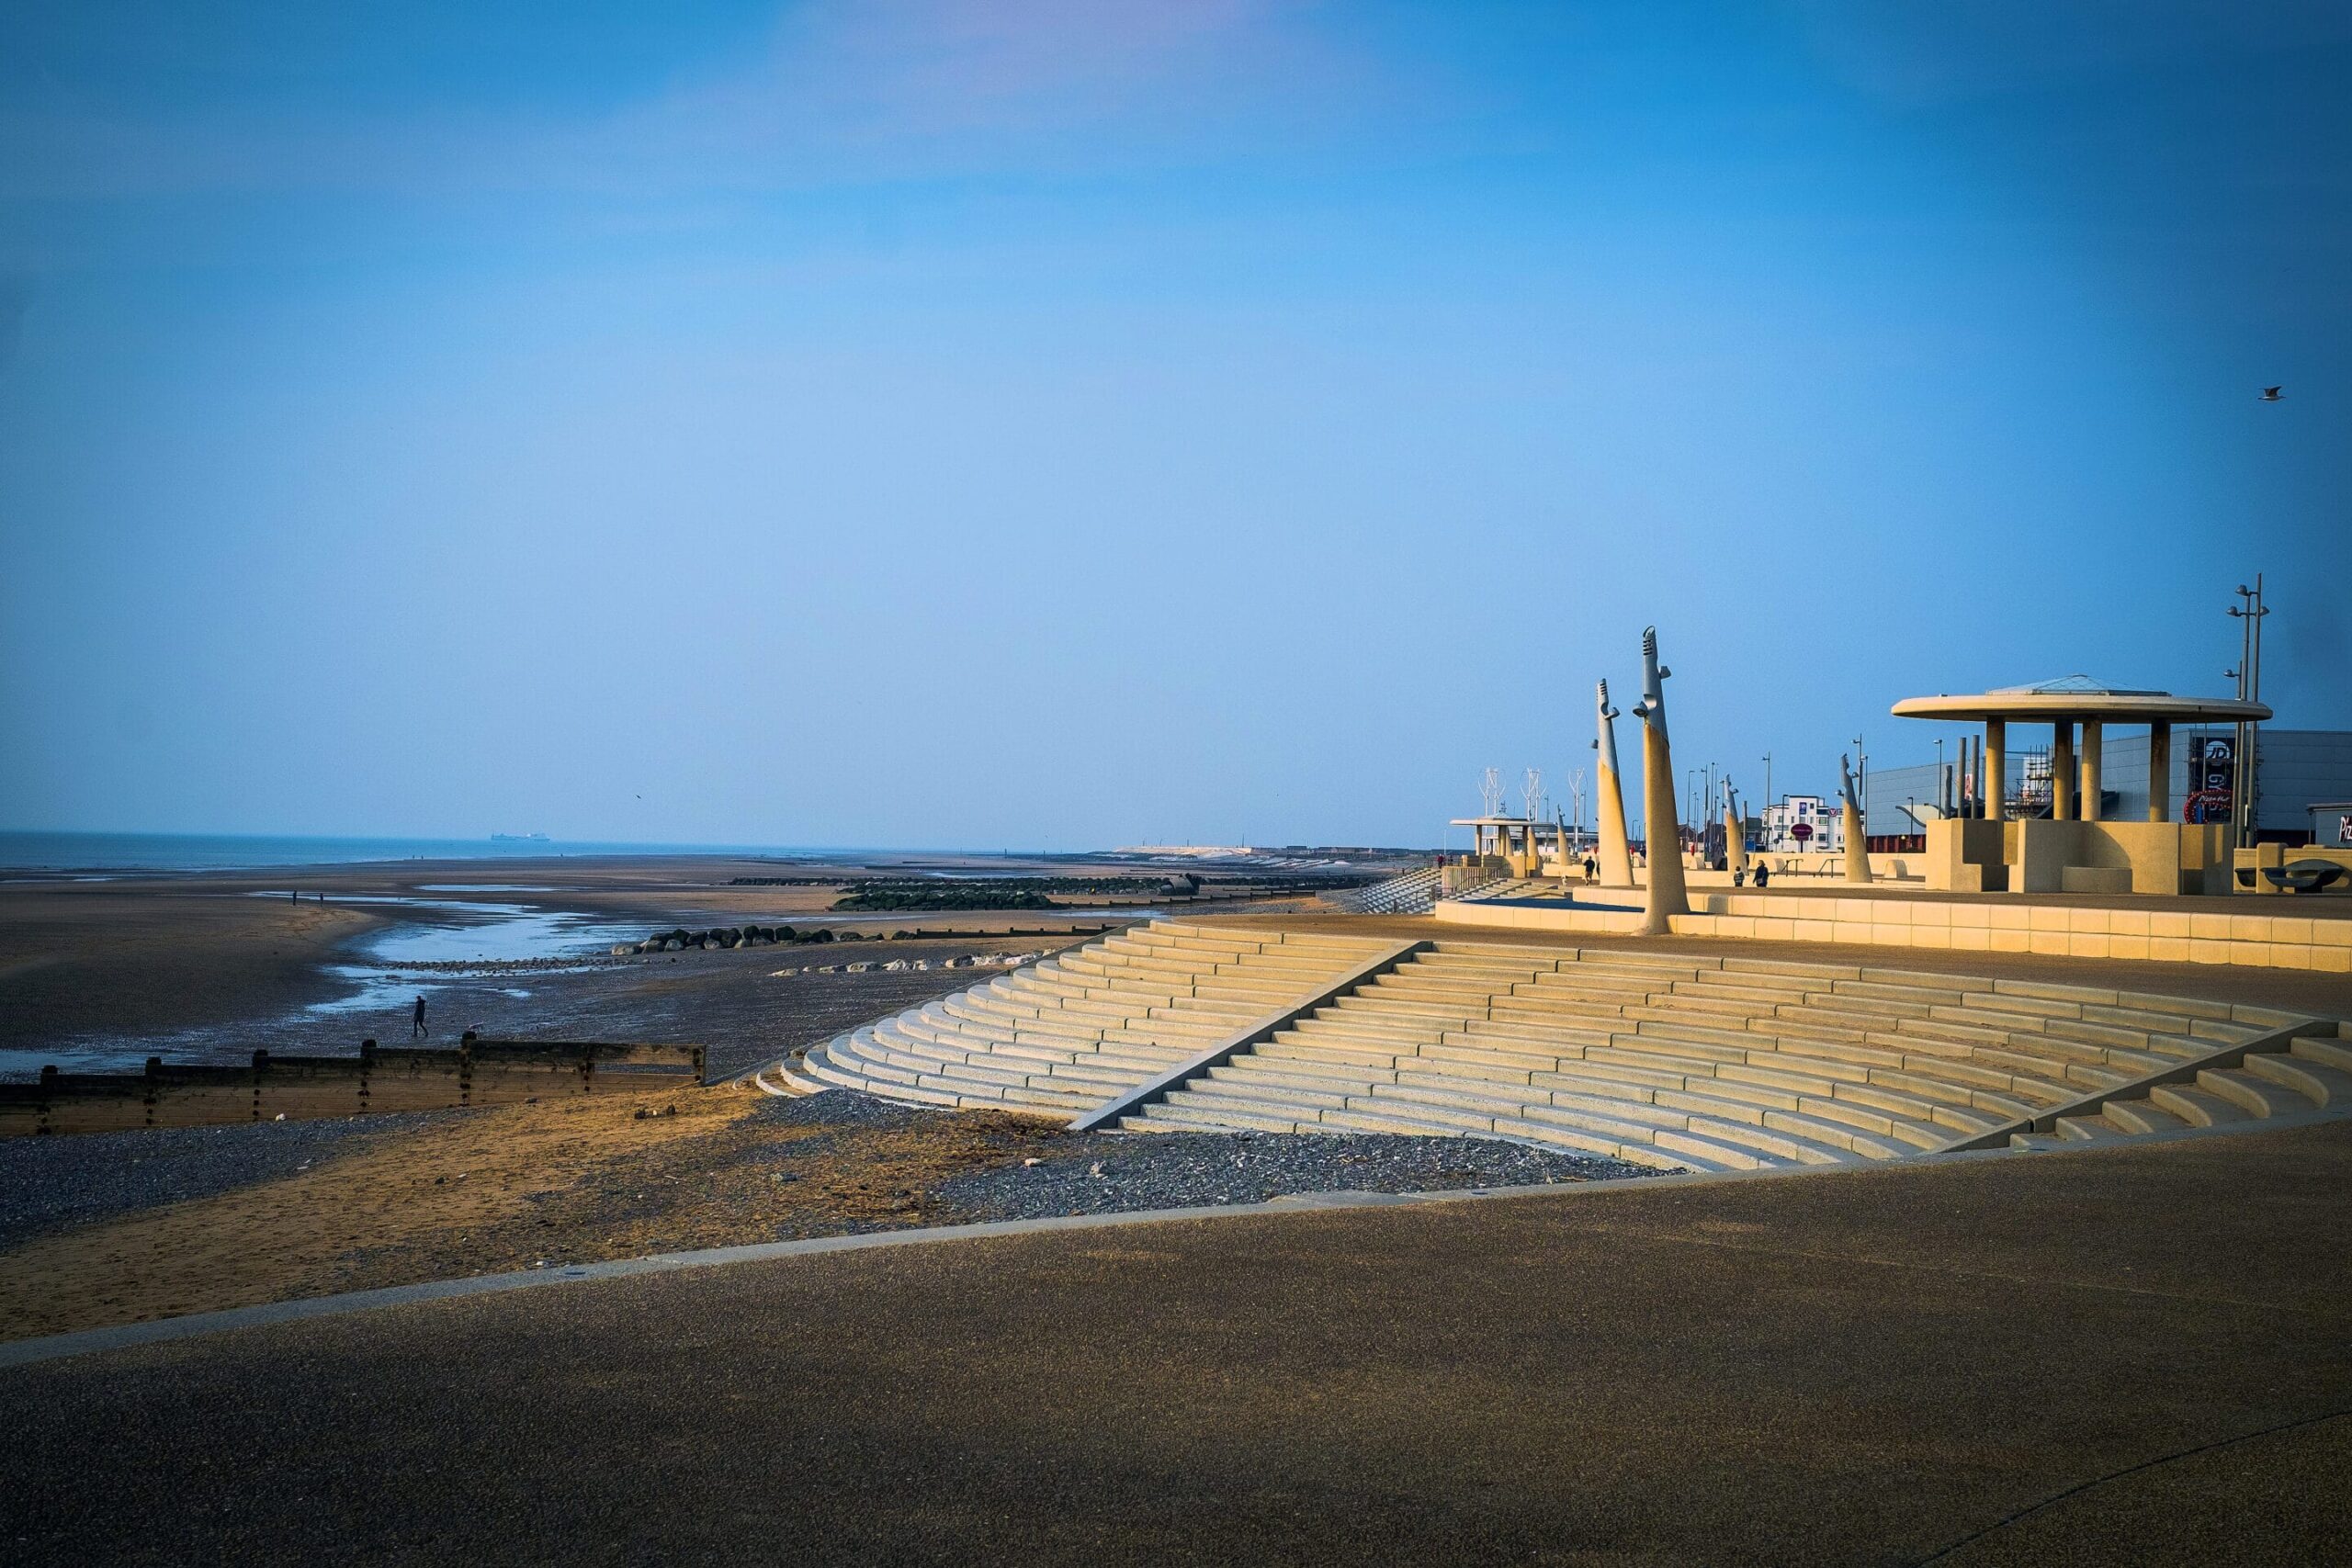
(298, 1088)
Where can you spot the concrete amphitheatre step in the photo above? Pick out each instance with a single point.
(2309, 1074)
(1665, 1059)
(1719, 1064)
(1067, 1035)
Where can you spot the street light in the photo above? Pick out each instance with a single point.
(2243, 780)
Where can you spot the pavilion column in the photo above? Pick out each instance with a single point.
(1994, 761)
(2062, 770)
(2094, 737)
(2159, 771)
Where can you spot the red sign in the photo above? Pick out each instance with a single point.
(1800, 831)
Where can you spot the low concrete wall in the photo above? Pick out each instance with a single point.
(302, 1089)
(2263, 941)
(2039, 855)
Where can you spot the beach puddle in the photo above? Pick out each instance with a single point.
(495, 933)
(453, 935)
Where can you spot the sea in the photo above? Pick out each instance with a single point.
(100, 854)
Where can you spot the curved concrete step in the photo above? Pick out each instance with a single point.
(2325, 1087)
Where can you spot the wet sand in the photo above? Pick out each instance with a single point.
(78, 960)
(211, 965)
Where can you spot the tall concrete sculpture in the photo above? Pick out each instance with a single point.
(1735, 836)
(1663, 829)
(1616, 857)
(1858, 849)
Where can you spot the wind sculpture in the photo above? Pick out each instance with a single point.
(1667, 896)
(1858, 849)
(1616, 856)
(1735, 837)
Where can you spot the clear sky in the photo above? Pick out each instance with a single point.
(1039, 422)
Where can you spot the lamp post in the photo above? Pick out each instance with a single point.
(2243, 774)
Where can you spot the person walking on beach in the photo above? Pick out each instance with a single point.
(416, 1021)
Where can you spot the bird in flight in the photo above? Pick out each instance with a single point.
(2272, 394)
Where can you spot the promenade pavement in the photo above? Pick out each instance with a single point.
(2323, 996)
(2138, 1353)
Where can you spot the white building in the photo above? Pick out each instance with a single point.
(1823, 825)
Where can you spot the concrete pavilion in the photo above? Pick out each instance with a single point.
(2072, 850)
(1520, 843)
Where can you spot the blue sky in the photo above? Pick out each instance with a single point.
(1047, 423)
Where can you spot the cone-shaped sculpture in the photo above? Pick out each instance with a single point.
(1616, 858)
(1858, 849)
(1660, 827)
(1735, 837)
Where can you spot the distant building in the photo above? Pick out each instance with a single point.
(1823, 825)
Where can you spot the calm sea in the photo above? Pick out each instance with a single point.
(99, 853)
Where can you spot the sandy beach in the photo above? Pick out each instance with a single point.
(97, 975)
(99, 970)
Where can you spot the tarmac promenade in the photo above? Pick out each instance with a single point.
(2138, 1353)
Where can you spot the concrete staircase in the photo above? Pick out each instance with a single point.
(1412, 893)
(1065, 1035)
(1680, 1060)
(1519, 888)
(1671, 1060)
(2309, 1074)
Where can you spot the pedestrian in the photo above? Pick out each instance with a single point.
(1763, 873)
(416, 1020)
(1591, 870)
(1739, 876)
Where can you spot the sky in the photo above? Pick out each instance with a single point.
(1042, 423)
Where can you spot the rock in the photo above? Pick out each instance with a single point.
(624, 949)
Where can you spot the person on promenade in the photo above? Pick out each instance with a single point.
(416, 1021)
(1591, 870)
(1763, 873)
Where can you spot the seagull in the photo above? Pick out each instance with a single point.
(2272, 394)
